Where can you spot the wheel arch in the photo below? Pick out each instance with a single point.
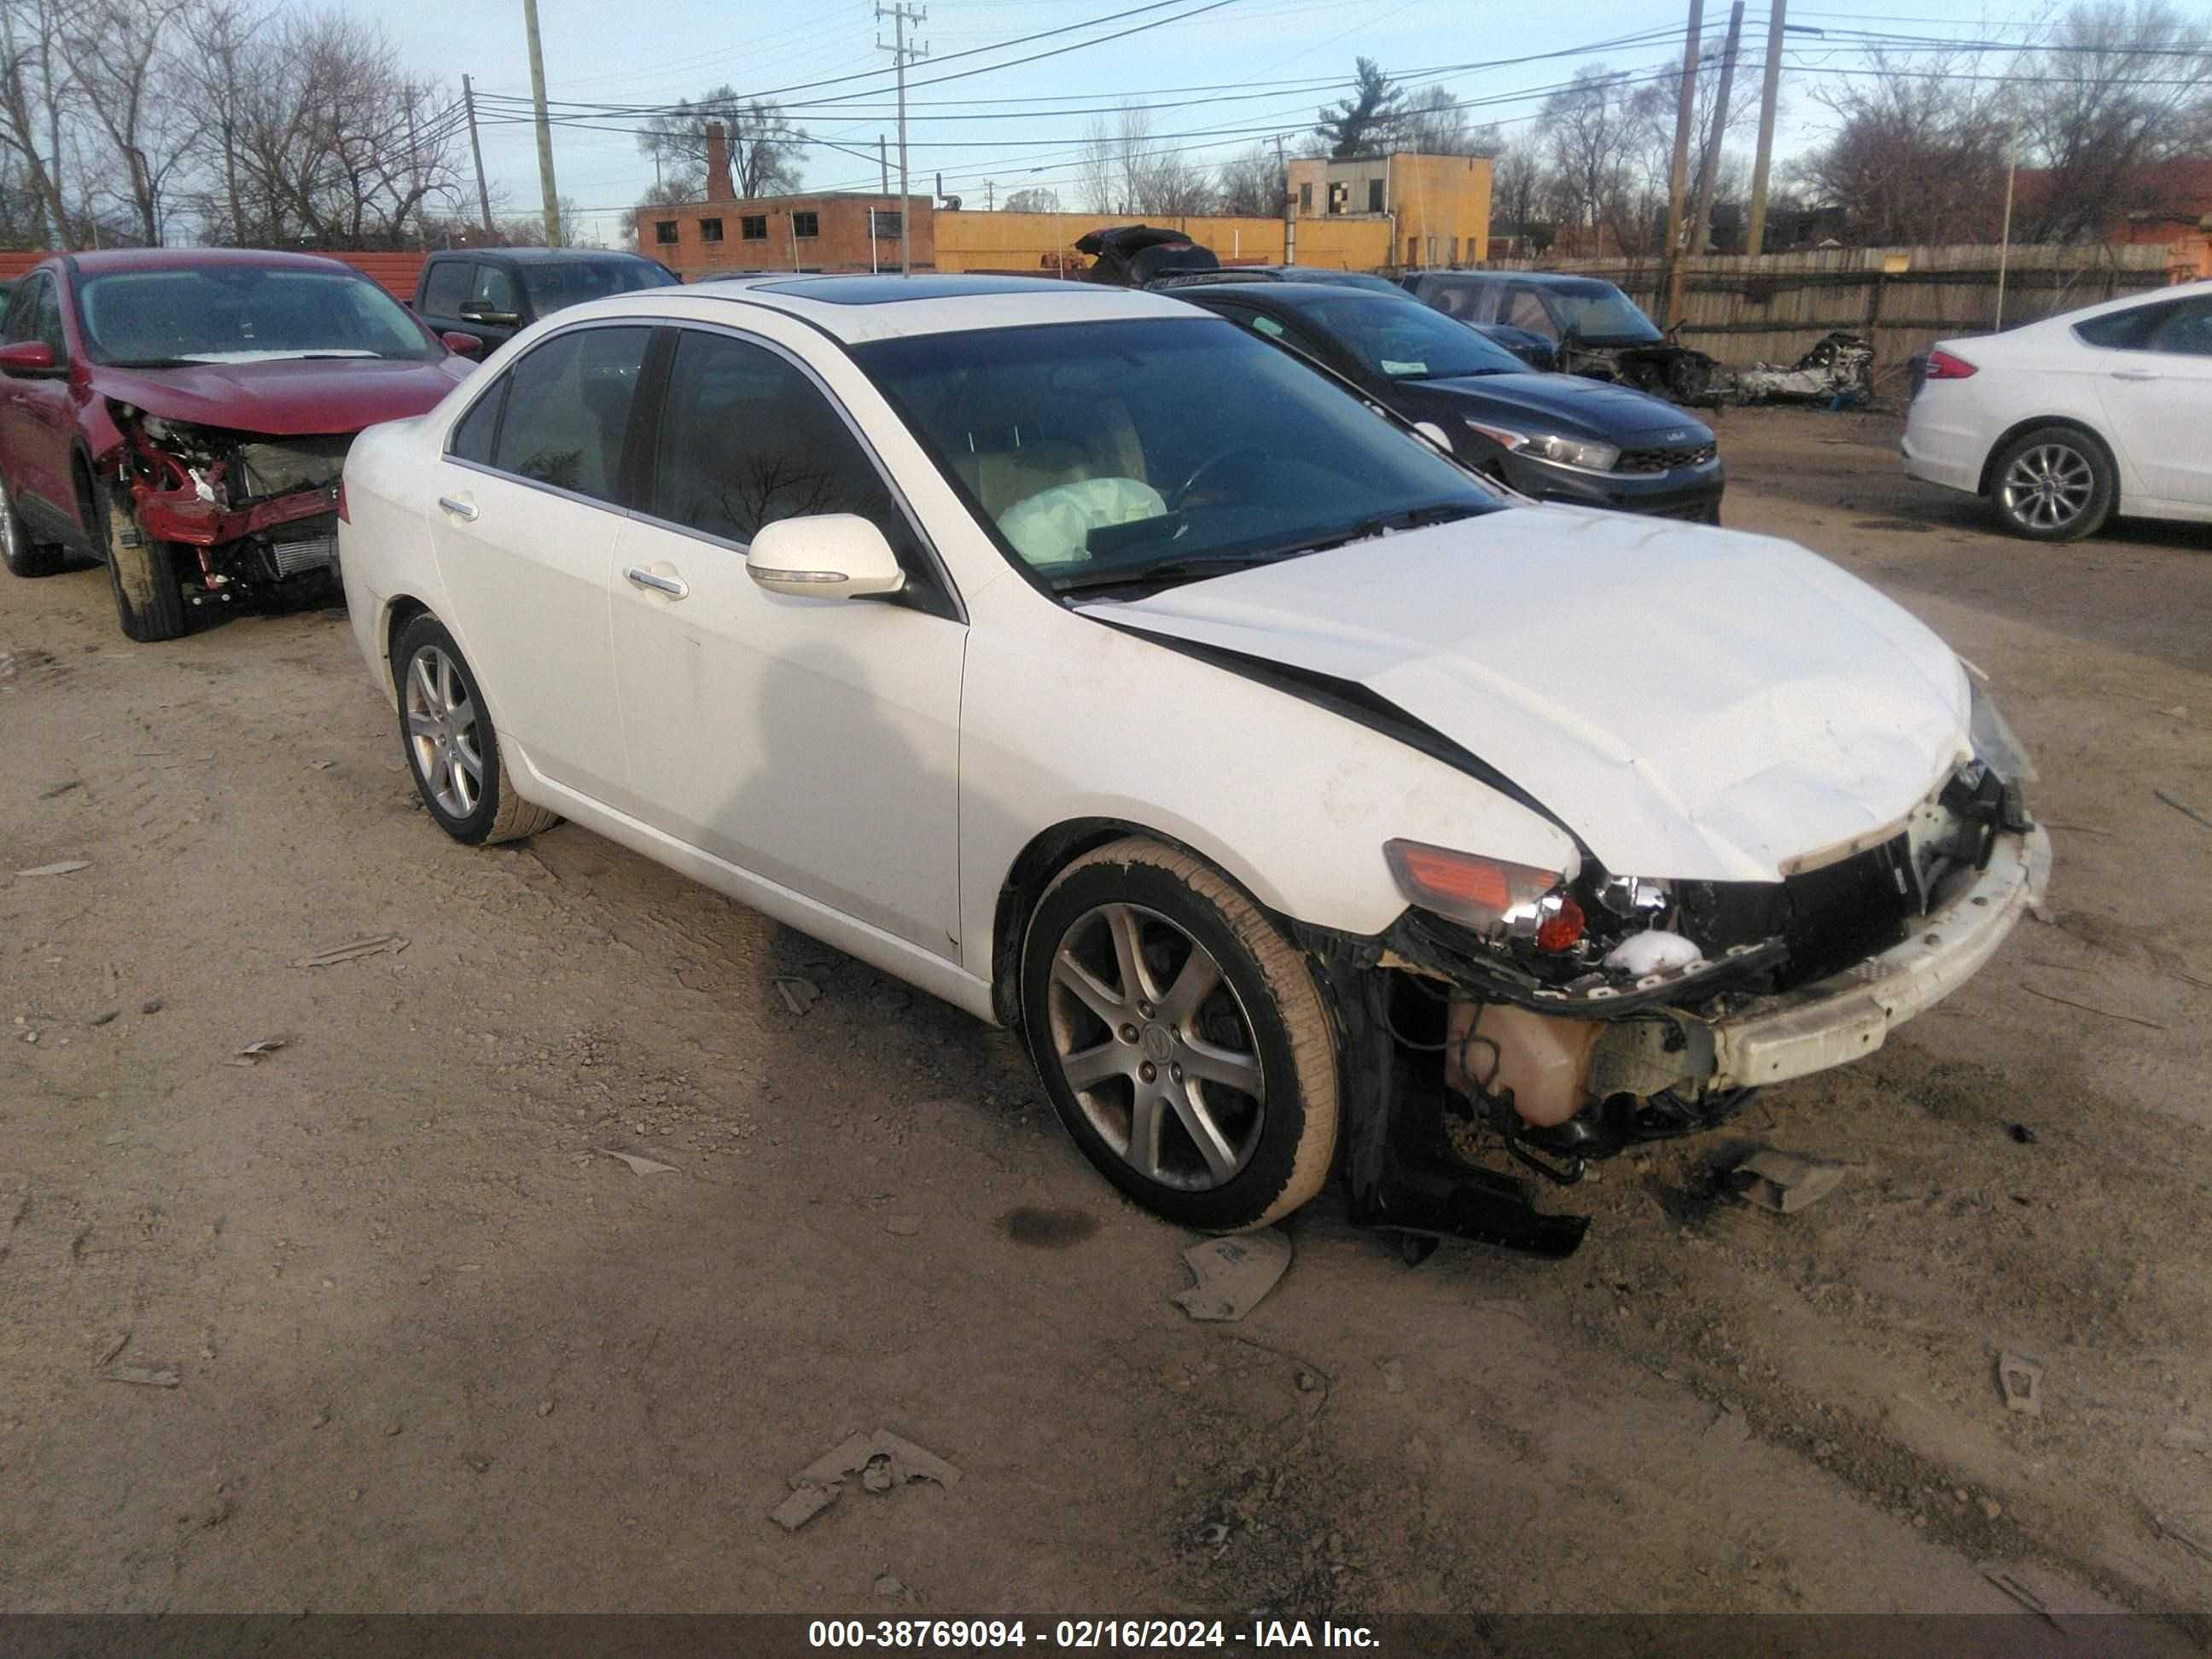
(2019, 430)
(399, 611)
(1039, 863)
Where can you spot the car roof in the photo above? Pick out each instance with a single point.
(530, 256)
(98, 262)
(1293, 296)
(859, 309)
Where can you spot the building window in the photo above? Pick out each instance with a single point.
(710, 230)
(1375, 196)
(805, 224)
(886, 223)
(1306, 198)
(1412, 251)
(664, 231)
(753, 227)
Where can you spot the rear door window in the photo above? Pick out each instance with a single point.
(447, 288)
(494, 291)
(2184, 331)
(569, 406)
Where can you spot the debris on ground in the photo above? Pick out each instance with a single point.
(2174, 801)
(799, 994)
(378, 945)
(644, 1166)
(113, 1351)
(2022, 1133)
(254, 1052)
(67, 866)
(2010, 1582)
(1838, 373)
(903, 1226)
(60, 789)
(881, 1460)
(2021, 1379)
(147, 1377)
(1785, 1182)
(2092, 1008)
(1233, 1274)
(105, 1016)
(2182, 1437)
(1394, 1375)
(887, 1585)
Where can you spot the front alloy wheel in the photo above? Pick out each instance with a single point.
(2053, 484)
(1181, 1036)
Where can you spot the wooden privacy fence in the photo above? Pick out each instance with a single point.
(1773, 308)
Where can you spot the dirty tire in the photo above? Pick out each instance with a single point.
(23, 556)
(1289, 1149)
(2082, 489)
(150, 602)
(496, 813)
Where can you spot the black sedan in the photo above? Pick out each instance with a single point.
(1555, 437)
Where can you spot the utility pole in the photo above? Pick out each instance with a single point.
(2004, 241)
(1754, 240)
(1701, 222)
(990, 196)
(883, 160)
(476, 148)
(1291, 209)
(901, 15)
(545, 127)
(1678, 180)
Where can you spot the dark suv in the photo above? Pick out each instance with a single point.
(1597, 330)
(494, 292)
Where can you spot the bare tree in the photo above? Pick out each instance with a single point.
(34, 93)
(1252, 185)
(139, 92)
(1918, 156)
(767, 151)
(1591, 143)
(1094, 168)
(1436, 125)
(2122, 88)
(1036, 199)
(1516, 192)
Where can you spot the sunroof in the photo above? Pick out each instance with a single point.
(884, 291)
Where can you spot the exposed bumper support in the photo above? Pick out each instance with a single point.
(1851, 1014)
(180, 515)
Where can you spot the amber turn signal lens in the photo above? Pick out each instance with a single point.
(1562, 928)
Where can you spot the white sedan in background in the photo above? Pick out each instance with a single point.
(2067, 421)
(1077, 657)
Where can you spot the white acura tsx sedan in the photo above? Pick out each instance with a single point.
(1078, 658)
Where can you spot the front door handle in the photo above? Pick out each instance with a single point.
(2135, 374)
(464, 511)
(673, 586)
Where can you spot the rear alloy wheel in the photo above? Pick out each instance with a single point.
(2053, 484)
(1181, 1037)
(23, 556)
(452, 750)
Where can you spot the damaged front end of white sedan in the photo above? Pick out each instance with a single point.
(1779, 842)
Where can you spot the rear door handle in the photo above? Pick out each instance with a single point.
(2136, 374)
(464, 511)
(673, 586)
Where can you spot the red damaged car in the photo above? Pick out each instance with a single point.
(184, 417)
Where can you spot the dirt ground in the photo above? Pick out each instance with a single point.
(434, 1349)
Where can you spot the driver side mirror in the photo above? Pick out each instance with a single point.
(462, 345)
(27, 359)
(828, 556)
(1437, 438)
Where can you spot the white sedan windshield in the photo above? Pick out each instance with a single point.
(1105, 450)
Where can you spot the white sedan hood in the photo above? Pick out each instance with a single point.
(1693, 703)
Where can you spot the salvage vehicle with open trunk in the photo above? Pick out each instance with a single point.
(183, 415)
(1087, 661)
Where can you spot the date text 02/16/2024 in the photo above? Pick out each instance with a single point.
(1078, 1635)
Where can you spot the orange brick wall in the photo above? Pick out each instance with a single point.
(842, 242)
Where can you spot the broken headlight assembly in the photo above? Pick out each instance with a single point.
(1581, 454)
(1501, 902)
(1994, 743)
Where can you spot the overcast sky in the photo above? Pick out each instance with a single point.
(642, 53)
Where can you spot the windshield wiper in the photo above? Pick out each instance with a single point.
(1119, 575)
(150, 362)
(1410, 517)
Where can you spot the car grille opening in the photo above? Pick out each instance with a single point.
(1664, 460)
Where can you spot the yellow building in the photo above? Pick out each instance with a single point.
(1434, 209)
(967, 240)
